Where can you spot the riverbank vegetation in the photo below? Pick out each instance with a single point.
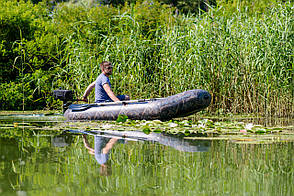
(239, 51)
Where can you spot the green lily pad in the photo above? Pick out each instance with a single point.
(146, 130)
(122, 118)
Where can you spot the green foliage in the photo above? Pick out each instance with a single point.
(147, 130)
(249, 6)
(30, 92)
(245, 60)
(198, 128)
(121, 118)
(11, 96)
(20, 22)
(183, 6)
(194, 7)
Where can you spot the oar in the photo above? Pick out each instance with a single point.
(82, 107)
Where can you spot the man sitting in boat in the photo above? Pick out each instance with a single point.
(103, 92)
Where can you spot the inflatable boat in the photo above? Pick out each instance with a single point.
(179, 105)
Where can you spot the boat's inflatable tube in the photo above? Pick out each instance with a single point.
(179, 105)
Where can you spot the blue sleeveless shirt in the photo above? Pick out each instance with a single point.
(100, 93)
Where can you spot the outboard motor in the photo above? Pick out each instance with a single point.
(66, 96)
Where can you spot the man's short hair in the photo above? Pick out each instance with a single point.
(104, 64)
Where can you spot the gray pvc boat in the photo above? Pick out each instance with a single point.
(179, 105)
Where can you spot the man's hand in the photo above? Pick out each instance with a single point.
(85, 99)
(87, 92)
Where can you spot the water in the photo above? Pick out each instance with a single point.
(54, 162)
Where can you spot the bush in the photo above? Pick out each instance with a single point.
(20, 22)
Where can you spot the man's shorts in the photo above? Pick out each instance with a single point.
(121, 97)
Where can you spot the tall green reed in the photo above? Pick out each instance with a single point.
(245, 61)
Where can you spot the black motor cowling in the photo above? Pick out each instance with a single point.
(63, 95)
(66, 96)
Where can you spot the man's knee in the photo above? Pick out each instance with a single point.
(123, 97)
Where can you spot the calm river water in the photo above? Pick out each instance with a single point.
(54, 162)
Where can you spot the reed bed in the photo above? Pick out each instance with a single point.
(246, 62)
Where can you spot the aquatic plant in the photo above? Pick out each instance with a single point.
(204, 129)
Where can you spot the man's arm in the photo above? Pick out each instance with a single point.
(88, 90)
(109, 145)
(110, 92)
(86, 144)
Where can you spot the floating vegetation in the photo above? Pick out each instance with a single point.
(203, 129)
(185, 127)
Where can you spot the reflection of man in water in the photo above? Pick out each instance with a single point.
(101, 151)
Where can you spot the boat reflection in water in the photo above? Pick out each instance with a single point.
(105, 140)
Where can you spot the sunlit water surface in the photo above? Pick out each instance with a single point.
(69, 163)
